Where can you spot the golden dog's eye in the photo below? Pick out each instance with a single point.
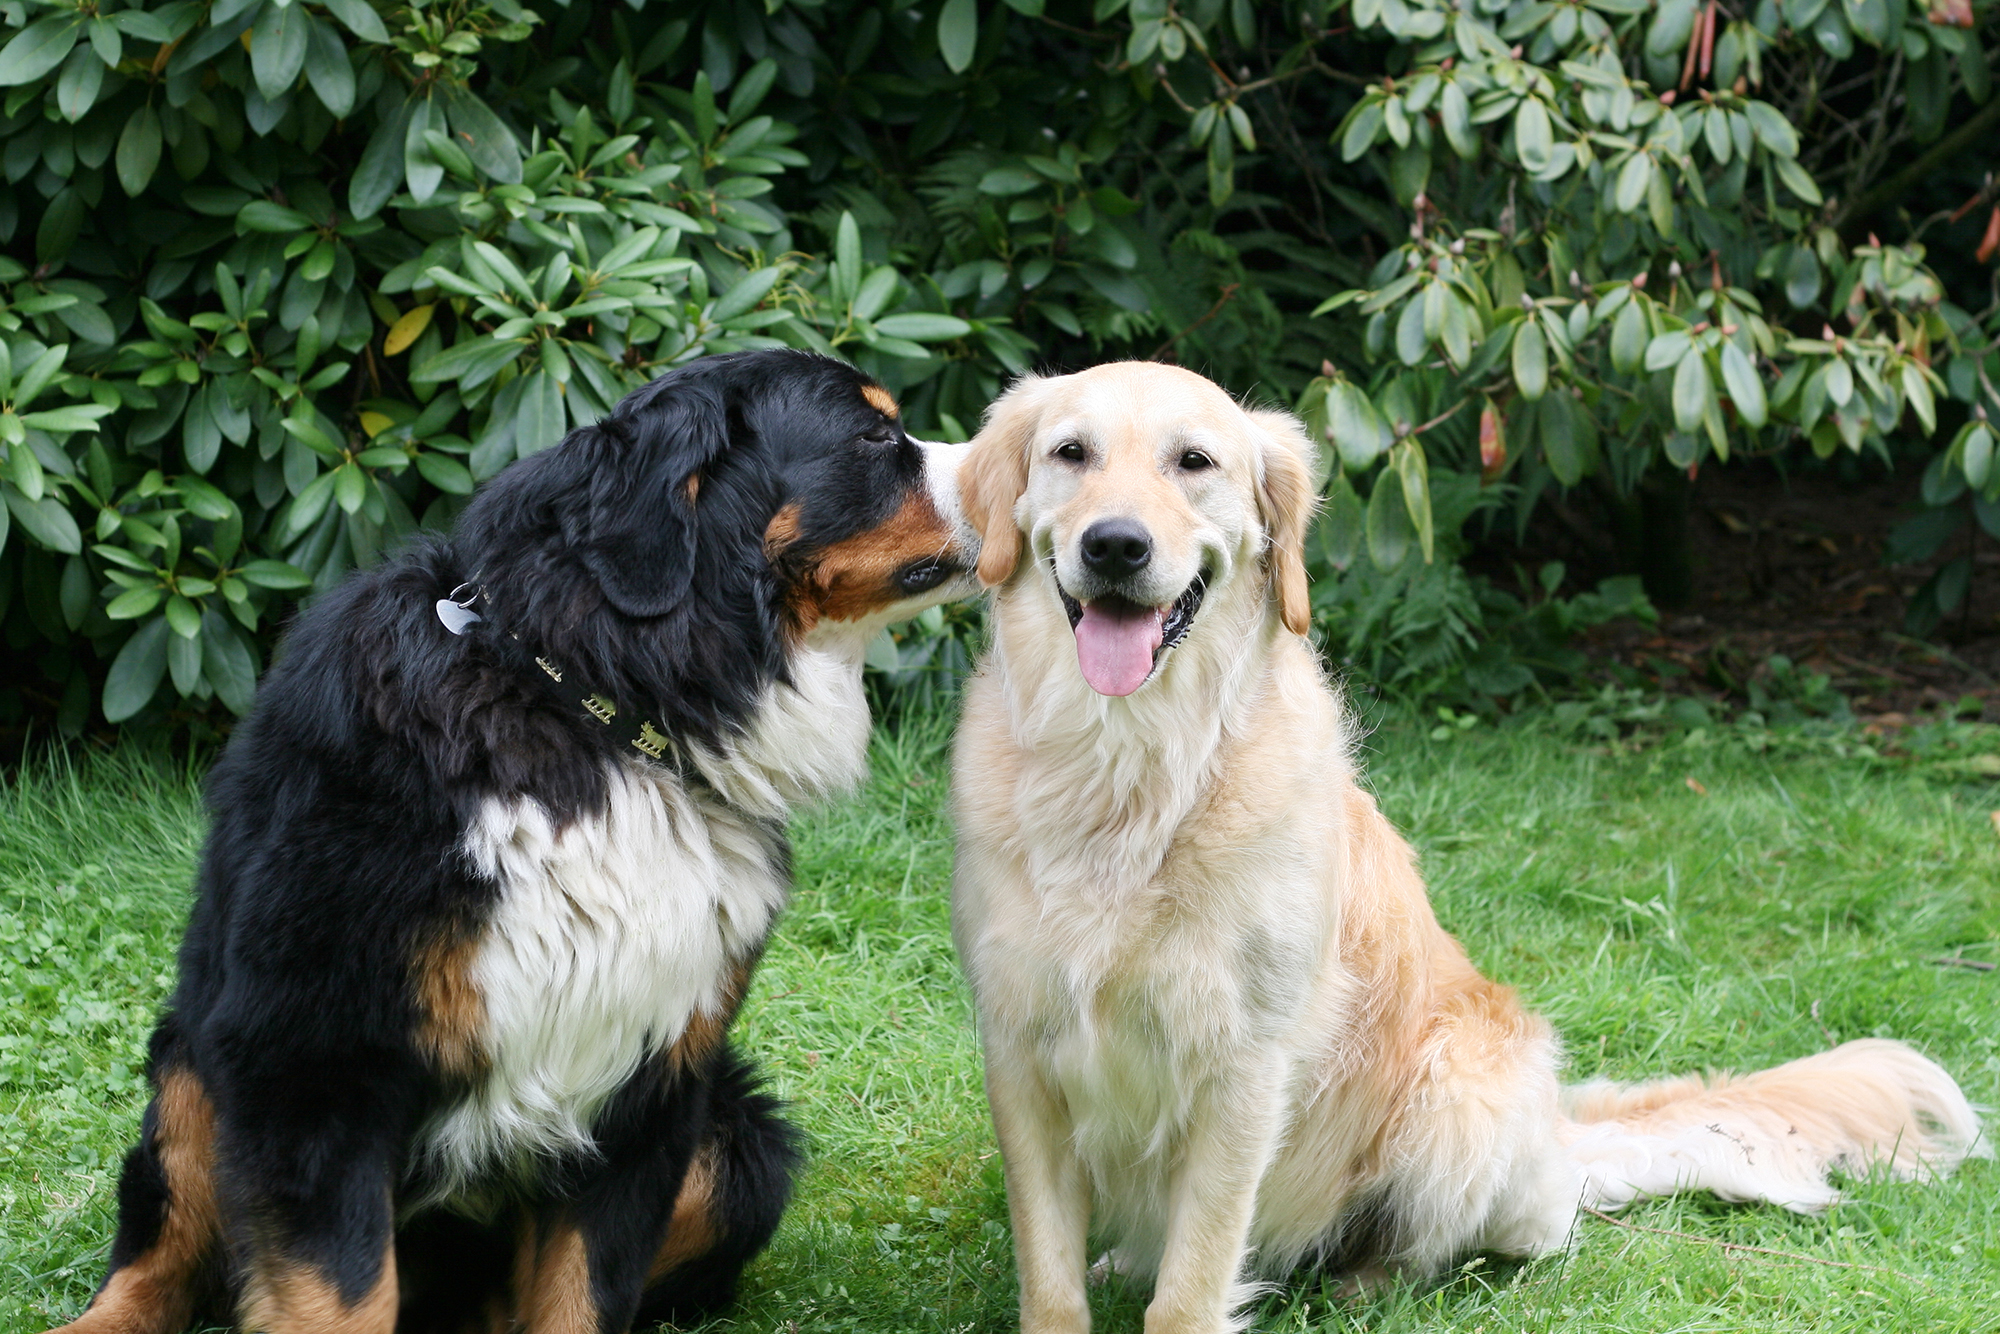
(1194, 461)
(1071, 450)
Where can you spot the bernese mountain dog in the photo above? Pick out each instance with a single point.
(489, 868)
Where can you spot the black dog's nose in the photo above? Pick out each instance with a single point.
(1116, 548)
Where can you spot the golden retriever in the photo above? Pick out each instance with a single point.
(1220, 1018)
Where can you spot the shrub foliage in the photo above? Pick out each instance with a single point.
(284, 280)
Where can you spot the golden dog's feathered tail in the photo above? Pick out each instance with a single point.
(1773, 1136)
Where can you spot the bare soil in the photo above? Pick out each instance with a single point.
(1795, 565)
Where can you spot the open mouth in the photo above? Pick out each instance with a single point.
(1119, 643)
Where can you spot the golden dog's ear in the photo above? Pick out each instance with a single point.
(995, 474)
(1287, 501)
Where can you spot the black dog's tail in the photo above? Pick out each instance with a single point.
(732, 1198)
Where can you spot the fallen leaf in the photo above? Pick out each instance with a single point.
(1694, 786)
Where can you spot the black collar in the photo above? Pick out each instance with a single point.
(623, 726)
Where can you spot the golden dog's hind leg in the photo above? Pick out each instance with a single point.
(168, 1230)
(1048, 1197)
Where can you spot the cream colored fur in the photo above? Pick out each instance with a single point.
(1221, 1023)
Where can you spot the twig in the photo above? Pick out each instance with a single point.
(1753, 1250)
(1071, 28)
(1967, 134)
(1959, 961)
(1228, 294)
(1440, 419)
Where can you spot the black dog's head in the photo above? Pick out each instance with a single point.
(719, 518)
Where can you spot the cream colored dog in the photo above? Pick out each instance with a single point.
(1220, 1018)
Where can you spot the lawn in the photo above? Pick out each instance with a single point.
(1693, 904)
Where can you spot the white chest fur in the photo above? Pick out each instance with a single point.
(612, 932)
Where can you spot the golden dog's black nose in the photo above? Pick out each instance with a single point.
(1116, 549)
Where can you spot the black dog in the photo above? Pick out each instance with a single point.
(491, 864)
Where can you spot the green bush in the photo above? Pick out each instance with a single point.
(285, 280)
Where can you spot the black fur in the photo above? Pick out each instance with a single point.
(339, 805)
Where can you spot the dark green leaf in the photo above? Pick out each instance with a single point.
(1746, 391)
(923, 326)
(380, 169)
(278, 48)
(1389, 529)
(1629, 336)
(1411, 343)
(78, 85)
(1802, 277)
(1358, 431)
(1415, 475)
(1555, 422)
(1533, 137)
(46, 520)
(227, 663)
(1531, 361)
(1694, 391)
(445, 473)
(139, 150)
(328, 69)
(134, 603)
(1341, 524)
(484, 137)
(39, 47)
(261, 215)
(274, 574)
(541, 420)
(360, 19)
(136, 672)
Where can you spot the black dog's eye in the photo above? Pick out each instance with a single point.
(1071, 450)
(1194, 461)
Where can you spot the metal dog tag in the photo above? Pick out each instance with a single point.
(455, 617)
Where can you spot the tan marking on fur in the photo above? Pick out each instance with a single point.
(154, 1293)
(783, 531)
(287, 1297)
(691, 487)
(994, 475)
(451, 1010)
(856, 576)
(705, 1026)
(881, 400)
(693, 1232)
(1288, 501)
(555, 1292)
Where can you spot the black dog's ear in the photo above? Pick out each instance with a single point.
(636, 528)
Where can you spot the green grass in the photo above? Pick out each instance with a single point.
(1799, 901)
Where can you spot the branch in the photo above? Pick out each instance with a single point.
(1228, 293)
(1965, 136)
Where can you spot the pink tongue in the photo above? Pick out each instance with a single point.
(1115, 647)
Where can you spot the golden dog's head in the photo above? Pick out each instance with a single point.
(1140, 490)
